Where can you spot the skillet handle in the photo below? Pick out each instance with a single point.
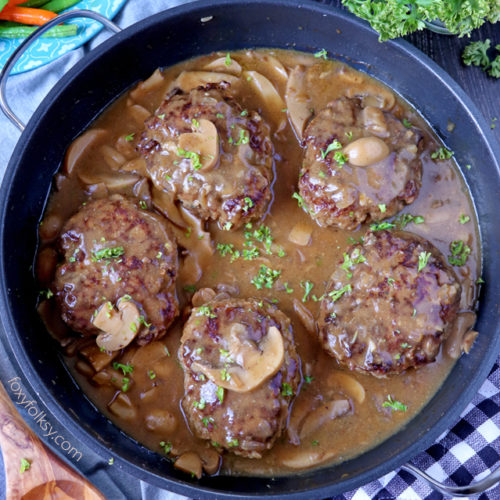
(490, 480)
(4, 106)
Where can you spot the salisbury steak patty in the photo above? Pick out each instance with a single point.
(240, 373)
(113, 249)
(389, 305)
(360, 164)
(209, 153)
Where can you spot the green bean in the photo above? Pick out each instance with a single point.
(33, 3)
(21, 31)
(59, 5)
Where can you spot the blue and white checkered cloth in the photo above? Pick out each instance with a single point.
(469, 451)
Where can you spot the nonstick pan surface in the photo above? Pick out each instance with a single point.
(165, 39)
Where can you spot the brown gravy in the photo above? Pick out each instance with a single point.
(443, 199)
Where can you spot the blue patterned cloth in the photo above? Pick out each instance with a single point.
(468, 451)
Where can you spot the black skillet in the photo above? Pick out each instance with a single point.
(165, 39)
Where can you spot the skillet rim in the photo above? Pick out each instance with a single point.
(40, 386)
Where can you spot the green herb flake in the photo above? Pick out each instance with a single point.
(129, 137)
(224, 375)
(323, 54)
(189, 288)
(404, 219)
(200, 405)
(232, 442)
(244, 113)
(162, 116)
(307, 286)
(151, 374)
(107, 253)
(286, 389)
(248, 204)
(442, 154)
(340, 158)
(308, 379)
(220, 394)
(206, 311)
(394, 405)
(391, 281)
(464, 219)
(228, 60)
(406, 123)
(244, 138)
(335, 145)
(459, 253)
(423, 258)
(315, 442)
(167, 447)
(195, 123)
(380, 226)
(142, 321)
(265, 278)
(25, 465)
(207, 420)
(287, 288)
(111, 461)
(300, 201)
(382, 207)
(125, 384)
(191, 155)
(219, 115)
(336, 294)
(479, 281)
(348, 135)
(126, 369)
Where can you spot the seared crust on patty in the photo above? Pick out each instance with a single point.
(346, 195)
(112, 248)
(389, 305)
(245, 423)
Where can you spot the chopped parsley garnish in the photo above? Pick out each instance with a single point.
(263, 235)
(108, 253)
(250, 253)
(129, 137)
(315, 442)
(382, 207)
(300, 201)
(405, 345)
(195, 123)
(191, 155)
(352, 260)
(162, 116)
(142, 321)
(46, 293)
(479, 281)
(228, 61)
(200, 405)
(125, 384)
(248, 204)
(307, 286)
(227, 226)
(265, 278)
(189, 288)
(442, 154)
(167, 446)
(133, 327)
(207, 420)
(206, 311)
(220, 394)
(219, 115)
(394, 405)
(243, 138)
(244, 113)
(287, 288)
(224, 375)
(232, 442)
(321, 54)
(340, 158)
(404, 219)
(126, 369)
(286, 389)
(331, 147)
(459, 253)
(143, 204)
(391, 281)
(151, 374)
(464, 219)
(111, 461)
(380, 226)
(25, 465)
(308, 379)
(348, 135)
(406, 123)
(423, 258)
(225, 249)
(336, 294)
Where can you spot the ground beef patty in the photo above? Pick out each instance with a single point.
(209, 153)
(343, 194)
(389, 304)
(218, 339)
(111, 249)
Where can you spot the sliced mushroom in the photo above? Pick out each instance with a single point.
(204, 140)
(120, 327)
(374, 121)
(221, 65)
(189, 462)
(297, 100)
(463, 323)
(327, 411)
(300, 458)
(189, 80)
(366, 151)
(139, 113)
(305, 316)
(113, 158)
(268, 93)
(122, 407)
(79, 146)
(113, 181)
(252, 364)
(164, 202)
(349, 385)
